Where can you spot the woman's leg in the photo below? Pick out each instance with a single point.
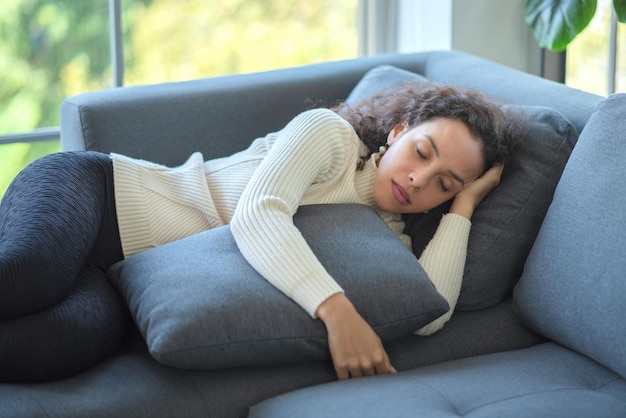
(50, 219)
(58, 234)
(57, 342)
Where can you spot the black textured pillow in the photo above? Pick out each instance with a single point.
(200, 305)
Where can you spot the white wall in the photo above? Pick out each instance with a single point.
(493, 29)
(424, 25)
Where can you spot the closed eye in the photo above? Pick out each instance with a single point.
(421, 155)
(443, 186)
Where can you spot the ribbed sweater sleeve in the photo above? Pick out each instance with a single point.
(310, 151)
(443, 260)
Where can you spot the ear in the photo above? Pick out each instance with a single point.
(396, 131)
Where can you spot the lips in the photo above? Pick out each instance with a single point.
(400, 194)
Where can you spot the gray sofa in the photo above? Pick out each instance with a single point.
(551, 344)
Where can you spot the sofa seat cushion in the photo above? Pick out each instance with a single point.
(200, 305)
(546, 380)
(573, 288)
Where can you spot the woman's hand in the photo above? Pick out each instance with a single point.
(466, 201)
(355, 348)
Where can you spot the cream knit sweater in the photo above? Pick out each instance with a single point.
(257, 191)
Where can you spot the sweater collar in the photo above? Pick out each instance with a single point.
(364, 182)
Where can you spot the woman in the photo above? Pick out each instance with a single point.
(404, 151)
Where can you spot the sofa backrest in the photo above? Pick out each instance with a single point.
(573, 288)
(165, 123)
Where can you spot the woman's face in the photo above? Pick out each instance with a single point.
(426, 165)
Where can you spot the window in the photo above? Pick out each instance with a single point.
(47, 51)
(53, 49)
(589, 55)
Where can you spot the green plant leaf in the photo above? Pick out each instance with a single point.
(555, 23)
(620, 10)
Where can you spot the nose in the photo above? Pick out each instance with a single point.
(418, 180)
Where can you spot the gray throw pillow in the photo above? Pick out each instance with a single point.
(200, 305)
(506, 223)
(382, 78)
(573, 288)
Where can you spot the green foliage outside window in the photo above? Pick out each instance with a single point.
(50, 50)
(588, 54)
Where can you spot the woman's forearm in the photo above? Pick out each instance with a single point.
(445, 255)
(444, 262)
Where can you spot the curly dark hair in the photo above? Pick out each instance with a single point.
(415, 103)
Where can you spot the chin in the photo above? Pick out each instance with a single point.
(399, 210)
(388, 208)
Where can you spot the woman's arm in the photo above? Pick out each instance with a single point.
(310, 150)
(444, 257)
(307, 151)
(354, 346)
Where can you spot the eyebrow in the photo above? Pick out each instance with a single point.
(432, 144)
(436, 150)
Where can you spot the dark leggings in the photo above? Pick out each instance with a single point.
(58, 235)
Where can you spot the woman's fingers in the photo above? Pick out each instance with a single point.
(365, 369)
(355, 348)
(466, 201)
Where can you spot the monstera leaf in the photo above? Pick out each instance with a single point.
(620, 10)
(556, 23)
